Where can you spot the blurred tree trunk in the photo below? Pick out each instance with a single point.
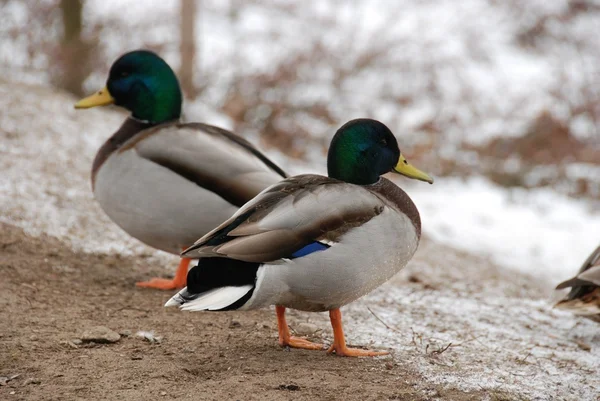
(74, 52)
(187, 47)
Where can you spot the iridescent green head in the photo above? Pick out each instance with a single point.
(362, 150)
(144, 84)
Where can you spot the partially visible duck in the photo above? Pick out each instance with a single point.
(584, 297)
(165, 182)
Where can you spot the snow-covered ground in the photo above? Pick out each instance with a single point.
(536, 231)
(479, 338)
(504, 334)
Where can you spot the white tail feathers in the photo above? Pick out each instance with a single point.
(215, 299)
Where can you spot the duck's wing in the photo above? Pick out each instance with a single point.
(293, 217)
(589, 273)
(213, 158)
(592, 261)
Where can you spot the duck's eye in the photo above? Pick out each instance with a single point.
(383, 141)
(124, 74)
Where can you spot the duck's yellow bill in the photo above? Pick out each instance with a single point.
(100, 98)
(405, 168)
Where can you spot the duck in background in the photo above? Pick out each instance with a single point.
(584, 297)
(313, 243)
(162, 181)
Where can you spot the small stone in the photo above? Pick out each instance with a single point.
(31, 381)
(77, 341)
(163, 393)
(234, 324)
(306, 329)
(289, 387)
(136, 357)
(149, 336)
(70, 344)
(101, 335)
(125, 333)
(5, 379)
(29, 286)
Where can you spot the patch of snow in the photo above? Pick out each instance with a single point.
(508, 344)
(537, 231)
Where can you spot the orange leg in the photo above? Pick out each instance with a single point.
(339, 341)
(165, 284)
(285, 339)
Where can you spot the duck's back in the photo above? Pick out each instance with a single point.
(168, 185)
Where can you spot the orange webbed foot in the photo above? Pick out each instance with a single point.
(286, 340)
(339, 340)
(297, 342)
(160, 284)
(345, 351)
(175, 283)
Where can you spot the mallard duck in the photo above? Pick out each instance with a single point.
(310, 242)
(584, 297)
(164, 182)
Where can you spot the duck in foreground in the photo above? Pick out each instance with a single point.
(584, 297)
(310, 242)
(164, 182)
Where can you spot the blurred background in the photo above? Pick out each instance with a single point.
(499, 99)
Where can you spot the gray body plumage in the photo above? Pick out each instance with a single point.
(170, 184)
(361, 261)
(372, 231)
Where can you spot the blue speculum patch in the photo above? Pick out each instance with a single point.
(308, 249)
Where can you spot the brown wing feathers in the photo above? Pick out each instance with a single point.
(289, 216)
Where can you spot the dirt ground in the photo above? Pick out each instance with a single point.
(49, 295)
